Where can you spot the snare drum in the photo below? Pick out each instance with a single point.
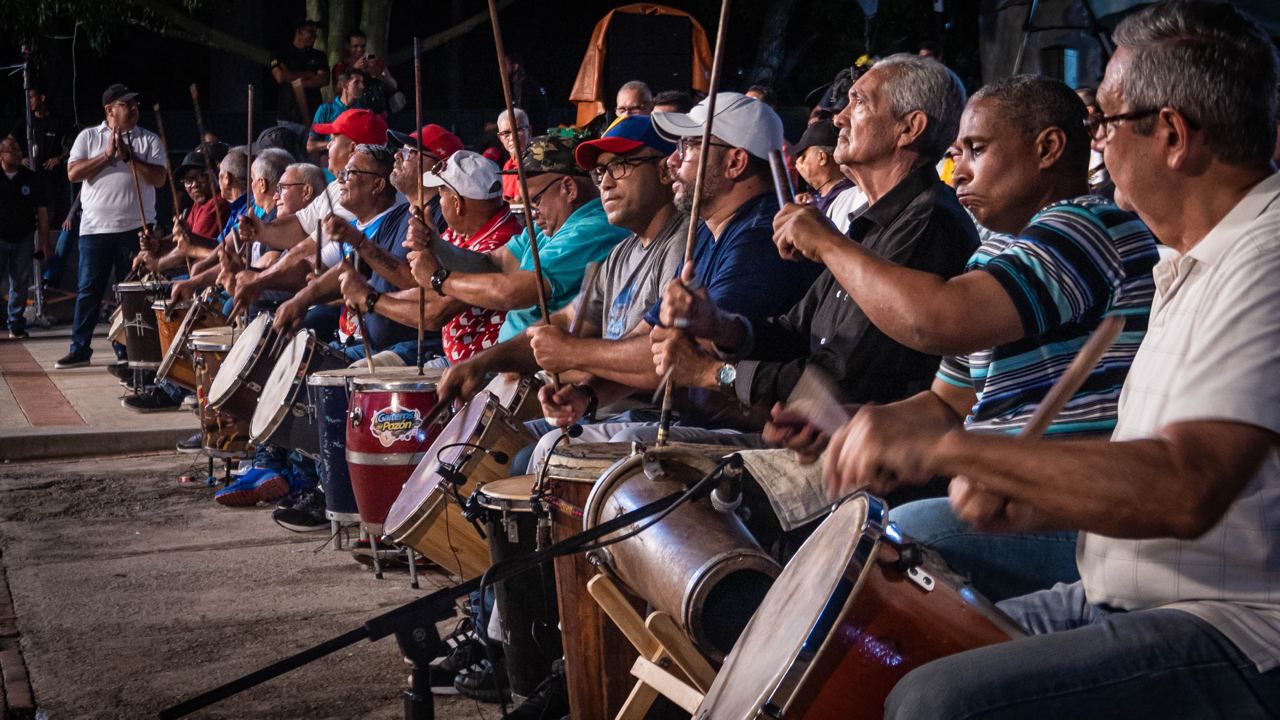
(283, 417)
(425, 517)
(175, 338)
(141, 335)
(222, 435)
(851, 614)
(526, 602)
(390, 425)
(330, 393)
(245, 370)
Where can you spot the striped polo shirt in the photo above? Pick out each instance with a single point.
(1077, 261)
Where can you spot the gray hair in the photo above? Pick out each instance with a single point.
(311, 175)
(522, 118)
(924, 84)
(270, 164)
(236, 163)
(383, 159)
(1034, 104)
(637, 86)
(1211, 63)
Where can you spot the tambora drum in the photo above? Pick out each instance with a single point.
(284, 417)
(245, 370)
(222, 435)
(390, 425)
(175, 337)
(698, 565)
(330, 394)
(857, 608)
(141, 336)
(517, 394)
(476, 446)
(526, 602)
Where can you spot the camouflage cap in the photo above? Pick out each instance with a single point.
(550, 154)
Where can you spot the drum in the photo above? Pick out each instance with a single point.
(857, 608)
(141, 336)
(175, 338)
(222, 435)
(329, 392)
(115, 333)
(477, 446)
(283, 417)
(698, 565)
(245, 370)
(390, 424)
(517, 394)
(526, 602)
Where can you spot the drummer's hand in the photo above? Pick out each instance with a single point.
(355, 289)
(288, 317)
(250, 227)
(419, 235)
(987, 511)
(247, 289)
(146, 260)
(690, 366)
(338, 230)
(182, 290)
(792, 431)
(552, 348)
(565, 407)
(802, 230)
(687, 309)
(147, 240)
(462, 381)
(881, 448)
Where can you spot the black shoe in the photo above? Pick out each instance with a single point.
(73, 359)
(304, 514)
(149, 401)
(193, 444)
(444, 671)
(484, 681)
(19, 334)
(549, 700)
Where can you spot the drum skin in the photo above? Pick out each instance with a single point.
(260, 346)
(141, 336)
(175, 337)
(387, 435)
(283, 417)
(882, 624)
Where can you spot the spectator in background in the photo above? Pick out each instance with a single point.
(764, 93)
(634, 98)
(673, 101)
(527, 93)
(52, 137)
(302, 62)
(507, 136)
(24, 209)
(351, 84)
(1099, 181)
(380, 88)
(833, 194)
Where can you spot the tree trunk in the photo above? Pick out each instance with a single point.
(375, 20)
(773, 44)
(405, 54)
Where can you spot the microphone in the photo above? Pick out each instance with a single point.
(498, 456)
(573, 430)
(727, 495)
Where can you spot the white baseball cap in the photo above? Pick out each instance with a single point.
(740, 121)
(470, 174)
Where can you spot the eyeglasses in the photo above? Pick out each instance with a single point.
(689, 145)
(535, 202)
(347, 173)
(281, 187)
(504, 134)
(620, 168)
(1098, 125)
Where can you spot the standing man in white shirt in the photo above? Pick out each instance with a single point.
(1177, 613)
(104, 158)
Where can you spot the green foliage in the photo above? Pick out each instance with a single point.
(99, 20)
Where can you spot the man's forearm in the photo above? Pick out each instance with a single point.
(390, 267)
(323, 289)
(87, 169)
(282, 234)
(458, 259)
(494, 291)
(152, 175)
(627, 361)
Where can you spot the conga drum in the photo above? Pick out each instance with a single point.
(857, 608)
(474, 448)
(526, 602)
(175, 337)
(330, 395)
(141, 335)
(284, 417)
(222, 436)
(388, 430)
(237, 386)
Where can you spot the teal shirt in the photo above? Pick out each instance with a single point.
(585, 237)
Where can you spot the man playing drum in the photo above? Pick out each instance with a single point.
(1175, 614)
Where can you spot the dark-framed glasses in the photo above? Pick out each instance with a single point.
(620, 168)
(1098, 126)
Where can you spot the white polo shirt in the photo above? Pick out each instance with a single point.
(109, 200)
(1212, 352)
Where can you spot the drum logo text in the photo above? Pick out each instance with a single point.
(392, 425)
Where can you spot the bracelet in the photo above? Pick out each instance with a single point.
(371, 299)
(437, 280)
(593, 403)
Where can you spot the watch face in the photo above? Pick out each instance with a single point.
(727, 374)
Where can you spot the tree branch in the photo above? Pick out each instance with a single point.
(405, 54)
(188, 28)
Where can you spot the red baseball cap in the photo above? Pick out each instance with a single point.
(363, 127)
(436, 141)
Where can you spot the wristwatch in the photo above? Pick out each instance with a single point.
(437, 280)
(593, 403)
(726, 375)
(371, 299)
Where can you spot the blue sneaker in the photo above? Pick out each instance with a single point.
(254, 486)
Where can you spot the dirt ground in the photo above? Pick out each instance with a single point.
(134, 592)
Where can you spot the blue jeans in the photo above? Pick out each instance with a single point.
(1000, 566)
(99, 255)
(1086, 661)
(15, 264)
(406, 350)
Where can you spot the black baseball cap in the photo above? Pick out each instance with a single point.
(820, 134)
(116, 93)
(194, 160)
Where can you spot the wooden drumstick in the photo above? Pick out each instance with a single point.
(781, 180)
(168, 172)
(204, 152)
(364, 330)
(422, 208)
(717, 64)
(1071, 380)
(248, 149)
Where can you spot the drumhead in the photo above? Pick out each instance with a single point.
(213, 340)
(397, 379)
(510, 494)
(244, 349)
(341, 376)
(504, 388)
(276, 392)
(148, 286)
(171, 306)
(585, 462)
(792, 624)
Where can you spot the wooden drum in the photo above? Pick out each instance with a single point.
(175, 337)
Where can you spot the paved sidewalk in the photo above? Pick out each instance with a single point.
(48, 413)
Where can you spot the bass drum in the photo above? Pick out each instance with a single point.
(857, 608)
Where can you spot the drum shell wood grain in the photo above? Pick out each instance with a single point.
(175, 338)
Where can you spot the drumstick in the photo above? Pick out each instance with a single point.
(781, 180)
(717, 64)
(522, 177)
(364, 331)
(422, 208)
(588, 281)
(204, 152)
(137, 186)
(1071, 380)
(248, 149)
(168, 169)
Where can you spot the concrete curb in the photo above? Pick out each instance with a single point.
(49, 442)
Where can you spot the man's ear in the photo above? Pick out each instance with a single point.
(736, 161)
(1051, 143)
(914, 125)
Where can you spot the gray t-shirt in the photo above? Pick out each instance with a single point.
(632, 278)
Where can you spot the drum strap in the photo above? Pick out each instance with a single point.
(563, 506)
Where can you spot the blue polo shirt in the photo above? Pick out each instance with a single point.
(388, 232)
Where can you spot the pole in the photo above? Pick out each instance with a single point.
(204, 150)
(168, 172)
(248, 149)
(422, 208)
(717, 64)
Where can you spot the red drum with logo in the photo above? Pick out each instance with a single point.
(389, 429)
